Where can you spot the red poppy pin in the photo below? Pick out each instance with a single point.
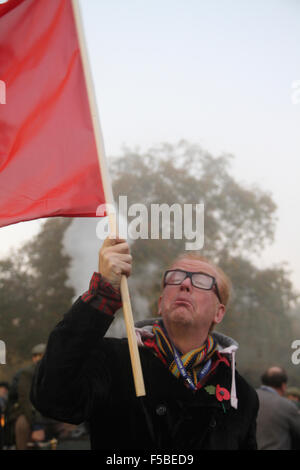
(222, 393)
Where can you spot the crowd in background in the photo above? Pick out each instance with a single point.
(23, 427)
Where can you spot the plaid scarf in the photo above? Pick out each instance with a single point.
(193, 361)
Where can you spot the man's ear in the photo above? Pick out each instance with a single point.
(219, 314)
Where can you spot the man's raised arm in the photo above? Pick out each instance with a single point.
(64, 385)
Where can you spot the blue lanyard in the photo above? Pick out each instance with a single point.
(204, 371)
(184, 373)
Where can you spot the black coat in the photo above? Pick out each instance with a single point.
(85, 377)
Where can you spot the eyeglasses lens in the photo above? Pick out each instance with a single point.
(201, 281)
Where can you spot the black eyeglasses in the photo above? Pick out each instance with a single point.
(204, 281)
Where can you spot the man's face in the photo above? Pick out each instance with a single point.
(190, 306)
(36, 358)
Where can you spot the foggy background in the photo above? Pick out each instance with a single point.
(224, 74)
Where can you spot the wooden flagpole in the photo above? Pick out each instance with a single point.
(109, 199)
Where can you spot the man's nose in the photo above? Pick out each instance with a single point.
(186, 284)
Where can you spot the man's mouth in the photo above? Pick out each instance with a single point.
(183, 302)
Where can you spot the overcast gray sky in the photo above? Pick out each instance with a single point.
(219, 73)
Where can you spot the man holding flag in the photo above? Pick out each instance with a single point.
(194, 397)
(52, 160)
(52, 164)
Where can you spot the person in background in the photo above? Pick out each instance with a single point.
(278, 420)
(24, 424)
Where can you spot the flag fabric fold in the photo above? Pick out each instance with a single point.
(48, 157)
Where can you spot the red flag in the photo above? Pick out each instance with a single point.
(48, 158)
